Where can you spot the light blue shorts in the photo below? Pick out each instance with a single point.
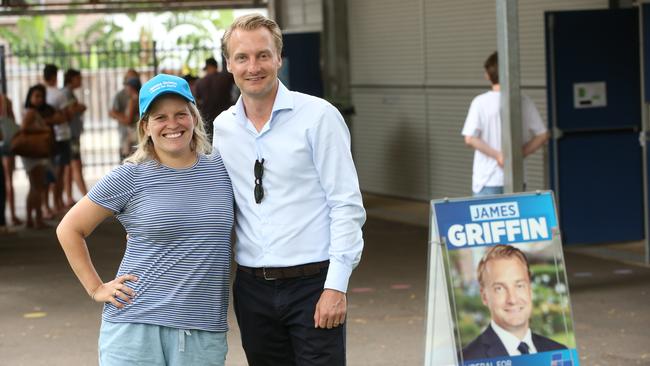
(145, 344)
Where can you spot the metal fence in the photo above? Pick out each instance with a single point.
(102, 70)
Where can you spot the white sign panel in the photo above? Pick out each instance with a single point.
(589, 95)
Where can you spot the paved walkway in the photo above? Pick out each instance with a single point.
(46, 318)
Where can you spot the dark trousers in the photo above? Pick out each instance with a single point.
(276, 320)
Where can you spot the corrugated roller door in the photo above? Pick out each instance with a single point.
(391, 158)
(385, 42)
(387, 73)
(459, 36)
(450, 160)
(535, 169)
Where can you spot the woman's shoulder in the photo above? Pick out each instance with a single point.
(129, 170)
(212, 164)
(213, 158)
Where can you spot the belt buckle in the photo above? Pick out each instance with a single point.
(267, 277)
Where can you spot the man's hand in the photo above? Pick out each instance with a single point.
(330, 309)
(500, 159)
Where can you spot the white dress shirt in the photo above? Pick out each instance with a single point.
(312, 209)
(511, 342)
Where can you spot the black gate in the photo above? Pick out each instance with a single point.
(102, 70)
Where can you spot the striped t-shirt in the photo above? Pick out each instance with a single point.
(179, 223)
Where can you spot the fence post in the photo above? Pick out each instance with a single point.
(3, 70)
(155, 59)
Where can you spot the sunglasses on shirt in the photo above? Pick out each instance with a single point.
(259, 171)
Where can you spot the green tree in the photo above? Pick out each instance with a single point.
(194, 35)
(35, 40)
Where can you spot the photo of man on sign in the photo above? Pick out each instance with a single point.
(505, 280)
(505, 284)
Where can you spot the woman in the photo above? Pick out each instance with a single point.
(168, 302)
(38, 117)
(8, 127)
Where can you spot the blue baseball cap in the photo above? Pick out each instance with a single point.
(163, 84)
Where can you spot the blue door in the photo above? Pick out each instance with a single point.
(594, 104)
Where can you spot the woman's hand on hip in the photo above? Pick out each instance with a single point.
(116, 289)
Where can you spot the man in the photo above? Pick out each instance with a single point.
(482, 132)
(62, 134)
(213, 93)
(124, 110)
(72, 81)
(299, 209)
(505, 281)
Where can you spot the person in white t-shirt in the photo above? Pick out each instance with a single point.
(482, 132)
(56, 98)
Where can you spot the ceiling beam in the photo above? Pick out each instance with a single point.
(21, 7)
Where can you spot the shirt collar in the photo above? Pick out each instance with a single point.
(511, 342)
(283, 100)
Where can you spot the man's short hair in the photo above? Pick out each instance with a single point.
(491, 66)
(50, 71)
(129, 74)
(252, 22)
(69, 75)
(211, 61)
(500, 252)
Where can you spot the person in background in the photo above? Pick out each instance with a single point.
(3, 198)
(299, 207)
(38, 116)
(72, 81)
(191, 80)
(8, 127)
(125, 114)
(62, 134)
(482, 132)
(169, 301)
(213, 93)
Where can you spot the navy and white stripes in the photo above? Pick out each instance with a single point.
(179, 223)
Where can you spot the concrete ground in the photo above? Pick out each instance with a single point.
(47, 319)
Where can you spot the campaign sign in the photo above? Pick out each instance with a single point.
(506, 220)
(506, 297)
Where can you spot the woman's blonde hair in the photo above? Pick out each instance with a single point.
(145, 149)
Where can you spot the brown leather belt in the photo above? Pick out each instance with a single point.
(281, 273)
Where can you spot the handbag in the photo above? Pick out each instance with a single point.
(32, 144)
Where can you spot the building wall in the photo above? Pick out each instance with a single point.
(300, 15)
(415, 67)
